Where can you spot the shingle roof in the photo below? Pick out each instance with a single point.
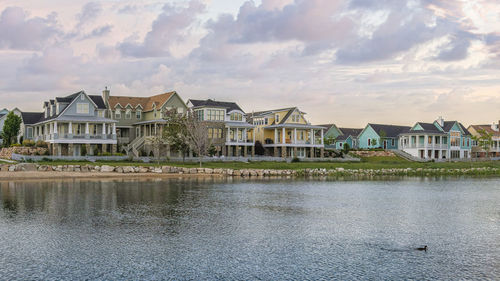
(145, 102)
(266, 112)
(290, 111)
(229, 106)
(2, 115)
(486, 128)
(31, 117)
(98, 101)
(449, 124)
(391, 131)
(351, 131)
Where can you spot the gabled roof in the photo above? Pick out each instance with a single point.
(145, 102)
(327, 126)
(391, 131)
(350, 132)
(287, 115)
(267, 112)
(449, 124)
(30, 118)
(486, 128)
(229, 106)
(429, 128)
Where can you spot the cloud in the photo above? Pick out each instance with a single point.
(168, 28)
(89, 13)
(99, 31)
(18, 31)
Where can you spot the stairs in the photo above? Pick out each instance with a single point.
(408, 156)
(134, 147)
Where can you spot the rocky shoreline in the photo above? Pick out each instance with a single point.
(172, 170)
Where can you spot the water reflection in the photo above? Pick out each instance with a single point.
(217, 228)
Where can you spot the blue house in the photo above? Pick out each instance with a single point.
(381, 136)
(438, 140)
(349, 136)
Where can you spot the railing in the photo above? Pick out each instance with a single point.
(422, 145)
(135, 145)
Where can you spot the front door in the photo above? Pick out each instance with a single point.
(385, 144)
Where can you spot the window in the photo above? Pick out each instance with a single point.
(214, 133)
(29, 133)
(128, 113)
(138, 113)
(393, 143)
(82, 108)
(296, 118)
(199, 115)
(236, 116)
(369, 142)
(455, 138)
(468, 142)
(118, 114)
(180, 110)
(429, 140)
(266, 121)
(277, 118)
(100, 113)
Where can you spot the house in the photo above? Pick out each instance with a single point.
(285, 132)
(72, 126)
(3, 116)
(349, 136)
(228, 128)
(438, 140)
(380, 136)
(480, 130)
(141, 119)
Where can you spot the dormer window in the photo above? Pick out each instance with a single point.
(128, 113)
(138, 113)
(277, 118)
(236, 116)
(118, 114)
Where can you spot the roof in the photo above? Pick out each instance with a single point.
(327, 126)
(391, 131)
(351, 131)
(229, 106)
(428, 128)
(2, 115)
(449, 124)
(486, 128)
(266, 112)
(31, 117)
(146, 102)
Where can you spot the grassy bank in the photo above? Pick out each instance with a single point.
(376, 163)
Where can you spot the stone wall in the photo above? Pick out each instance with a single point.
(6, 153)
(367, 153)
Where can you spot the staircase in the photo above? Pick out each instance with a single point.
(408, 156)
(135, 146)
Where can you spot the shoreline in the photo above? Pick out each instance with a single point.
(25, 171)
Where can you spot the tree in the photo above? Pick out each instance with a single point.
(374, 142)
(259, 149)
(193, 132)
(484, 140)
(346, 148)
(383, 136)
(11, 129)
(174, 131)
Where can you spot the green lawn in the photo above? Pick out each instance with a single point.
(366, 163)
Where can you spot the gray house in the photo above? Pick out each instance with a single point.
(72, 125)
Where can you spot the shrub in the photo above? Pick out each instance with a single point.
(83, 152)
(15, 145)
(295, 160)
(45, 159)
(41, 144)
(118, 154)
(28, 143)
(105, 154)
(46, 152)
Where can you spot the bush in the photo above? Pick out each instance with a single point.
(295, 160)
(83, 151)
(118, 154)
(28, 143)
(105, 154)
(259, 149)
(46, 152)
(15, 145)
(45, 159)
(41, 144)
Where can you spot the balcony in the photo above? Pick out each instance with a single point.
(76, 138)
(423, 145)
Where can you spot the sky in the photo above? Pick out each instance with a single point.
(346, 62)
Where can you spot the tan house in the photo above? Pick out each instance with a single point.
(477, 131)
(141, 120)
(286, 133)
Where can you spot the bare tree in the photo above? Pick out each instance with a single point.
(187, 129)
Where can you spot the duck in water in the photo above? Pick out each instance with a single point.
(424, 248)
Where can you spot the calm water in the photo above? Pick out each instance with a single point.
(220, 229)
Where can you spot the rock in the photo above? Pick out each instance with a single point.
(107, 169)
(4, 168)
(143, 169)
(209, 171)
(165, 169)
(157, 170)
(12, 168)
(119, 169)
(128, 169)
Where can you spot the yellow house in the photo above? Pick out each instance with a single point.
(286, 133)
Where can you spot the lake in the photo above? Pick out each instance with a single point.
(211, 228)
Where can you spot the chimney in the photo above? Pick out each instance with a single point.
(105, 95)
(440, 121)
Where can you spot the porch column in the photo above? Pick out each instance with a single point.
(70, 130)
(275, 135)
(283, 136)
(294, 136)
(56, 135)
(312, 136)
(228, 136)
(103, 131)
(237, 136)
(155, 128)
(245, 135)
(322, 141)
(253, 135)
(87, 134)
(113, 133)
